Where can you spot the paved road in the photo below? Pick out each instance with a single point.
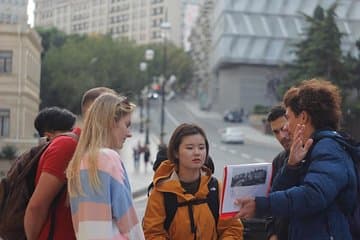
(257, 148)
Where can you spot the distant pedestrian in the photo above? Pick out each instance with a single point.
(146, 151)
(98, 184)
(136, 155)
(185, 176)
(161, 156)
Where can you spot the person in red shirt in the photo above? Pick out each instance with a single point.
(50, 182)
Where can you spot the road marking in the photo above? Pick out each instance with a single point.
(223, 148)
(259, 160)
(244, 155)
(172, 118)
(232, 151)
(155, 139)
(140, 198)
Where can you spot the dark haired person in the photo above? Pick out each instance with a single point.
(161, 156)
(50, 182)
(90, 96)
(316, 189)
(53, 120)
(277, 228)
(185, 175)
(277, 120)
(269, 227)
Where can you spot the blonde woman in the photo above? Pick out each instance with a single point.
(98, 185)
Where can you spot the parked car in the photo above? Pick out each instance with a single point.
(232, 135)
(233, 116)
(153, 95)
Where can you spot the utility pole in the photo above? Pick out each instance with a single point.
(165, 26)
(149, 55)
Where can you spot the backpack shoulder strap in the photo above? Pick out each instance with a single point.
(171, 205)
(348, 144)
(213, 198)
(149, 188)
(69, 134)
(26, 163)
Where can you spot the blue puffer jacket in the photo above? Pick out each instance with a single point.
(310, 194)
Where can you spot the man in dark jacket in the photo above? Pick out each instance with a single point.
(277, 227)
(272, 228)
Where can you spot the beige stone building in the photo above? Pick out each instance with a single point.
(20, 64)
(138, 20)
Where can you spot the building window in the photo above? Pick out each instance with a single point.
(4, 122)
(5, 61)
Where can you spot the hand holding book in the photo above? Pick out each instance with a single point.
(244, 182)
(247, 207)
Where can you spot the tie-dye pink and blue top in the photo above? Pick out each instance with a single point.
(107, 213)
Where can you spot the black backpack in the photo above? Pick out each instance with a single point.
(353, 149)
(212, 199)
(16, 190)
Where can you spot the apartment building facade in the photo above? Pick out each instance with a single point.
(138, 20)
(20, 63)
(13, 11)
(200, 40)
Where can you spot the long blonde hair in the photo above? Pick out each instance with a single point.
(107, 109)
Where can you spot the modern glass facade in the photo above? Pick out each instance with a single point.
(264, 31)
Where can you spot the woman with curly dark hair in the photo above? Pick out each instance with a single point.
(316, 189)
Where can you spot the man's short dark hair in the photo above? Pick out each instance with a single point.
(90, 95)
(54, 119)
(275, 113)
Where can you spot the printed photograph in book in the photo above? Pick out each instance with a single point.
(243, 180)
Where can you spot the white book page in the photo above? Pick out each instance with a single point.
(244, 180)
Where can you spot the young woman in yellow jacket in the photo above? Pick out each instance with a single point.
(185, 176)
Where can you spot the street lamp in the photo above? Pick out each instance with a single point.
(143, 67)
(149, 55)
(165, 26)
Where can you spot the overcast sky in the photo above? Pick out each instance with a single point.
(30, 11)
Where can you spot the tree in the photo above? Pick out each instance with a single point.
(319, 53)
(50, 37)
(352, 64)
(72, 64)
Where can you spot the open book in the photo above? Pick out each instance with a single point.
(243, 180)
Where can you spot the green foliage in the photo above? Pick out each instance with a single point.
(353, 68)
(261, 109)
(72, 64)
(51, 38)
(8, 152)
(319, 54)
(351, 109)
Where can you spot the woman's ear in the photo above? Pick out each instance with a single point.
(115, 123)
(305, 118)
